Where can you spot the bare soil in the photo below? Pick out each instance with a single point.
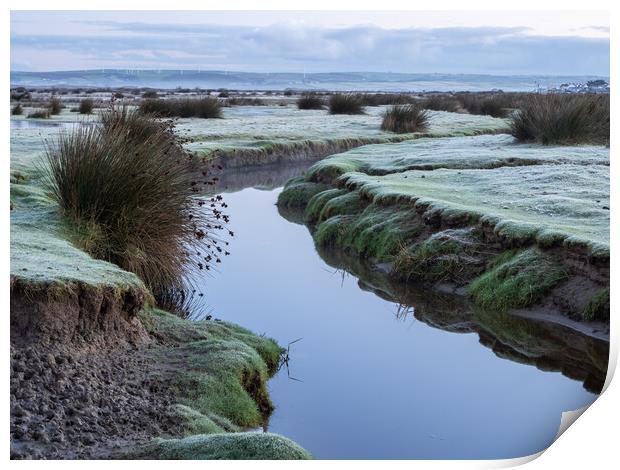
(84, 383)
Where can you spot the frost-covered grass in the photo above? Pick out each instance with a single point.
(265, 129)
(218, 370)
(549, 204)
(40, 251)
(439, 209)
(484, 151)
(453, 254)
(375, 232)
(239, 446)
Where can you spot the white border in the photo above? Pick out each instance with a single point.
(591, 443)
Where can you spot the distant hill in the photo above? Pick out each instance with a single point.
(371, 81)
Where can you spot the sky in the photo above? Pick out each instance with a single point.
(523, 43)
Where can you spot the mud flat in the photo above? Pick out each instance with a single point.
(513, 227)
(98, 372)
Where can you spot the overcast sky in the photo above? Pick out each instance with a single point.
(550, 43)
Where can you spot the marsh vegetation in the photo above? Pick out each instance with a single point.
(310, 101)
(346, 104)
(563, 119)
(86, 106)
(126, 188)
(405, 119)
(204, 108)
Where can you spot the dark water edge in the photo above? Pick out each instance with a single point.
(385, 370)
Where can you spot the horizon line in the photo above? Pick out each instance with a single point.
(104, 69)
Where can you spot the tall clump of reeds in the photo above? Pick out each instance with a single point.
(205, 108)
(55, 106)
(562, 119)
(405, 119)
(495, 105)
(310, 101)
(86, 106)
(441, 103)
(345, 104)
(127, 188)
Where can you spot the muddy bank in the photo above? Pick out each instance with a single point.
(455, 253)
(111, 374)
(76, 315)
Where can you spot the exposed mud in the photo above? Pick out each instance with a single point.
(69, 404)
(76, 315)
(83, 382)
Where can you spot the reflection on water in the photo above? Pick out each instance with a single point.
(548, 346)
(382, 373)
(265, 177)
(33, 124)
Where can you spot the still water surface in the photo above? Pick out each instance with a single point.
(364, 382)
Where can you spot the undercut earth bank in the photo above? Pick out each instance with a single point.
(512, 227)
(112, 379)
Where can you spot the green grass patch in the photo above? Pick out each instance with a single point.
(450, 254)
(597, 308)
(219, 370)
(298, 192)
(317, 202)
(516, 280)
(371, 231)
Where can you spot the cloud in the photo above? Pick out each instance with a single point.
(295, 47)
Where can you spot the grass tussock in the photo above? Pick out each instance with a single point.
(562, 119)
(405, 118)
(310, 101)
(441, 103)
(205, 108)
(55, 106)
(126, 188)
(39, 114)
(86, 106)
(345, 104)
(17, 110)
(496, 105)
